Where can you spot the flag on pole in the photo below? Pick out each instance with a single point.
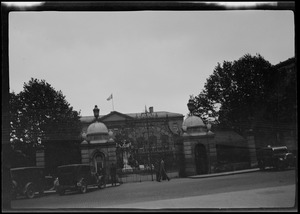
(110, 97)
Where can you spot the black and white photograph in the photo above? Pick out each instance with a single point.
(149, 106)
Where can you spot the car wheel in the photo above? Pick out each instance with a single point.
(41, 192)
(61, 191)
(83, 187)
(261, 166)
(278, 167)
(282, 165)
(101, 185)
(30, 191)
(14, 194)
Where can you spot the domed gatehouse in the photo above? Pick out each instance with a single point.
(208, 152)
(98, 147)
(199, 147)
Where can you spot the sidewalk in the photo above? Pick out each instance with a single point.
(107, 186)
(193, 177)
(225, 173)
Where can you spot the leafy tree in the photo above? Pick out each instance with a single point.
(241, 89)
(41, 112)
(250, 93)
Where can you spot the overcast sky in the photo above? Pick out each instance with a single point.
(143, 58)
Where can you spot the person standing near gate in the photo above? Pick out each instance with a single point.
(162, 175)
(102, 174)
(157, 170)
(113, 174)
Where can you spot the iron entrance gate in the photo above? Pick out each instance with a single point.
(144, 166)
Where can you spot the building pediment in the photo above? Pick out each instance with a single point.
(115, 116)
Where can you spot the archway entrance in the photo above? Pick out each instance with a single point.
(201, 159)
(98, 161)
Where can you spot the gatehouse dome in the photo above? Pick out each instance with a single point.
(193, 121)
(194, 125)
(96, 128)
(97, 133)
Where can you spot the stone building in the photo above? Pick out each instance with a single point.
(281, 129)
(139, 136)
(189, 146)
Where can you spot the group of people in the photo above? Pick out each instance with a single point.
(161, 173)
(113, 174)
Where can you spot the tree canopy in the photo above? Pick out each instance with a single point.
(41, 112)
(242, 94)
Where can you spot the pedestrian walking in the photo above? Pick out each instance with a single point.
(102, 173)
(157, 170)
(162, 175)
(113, 174)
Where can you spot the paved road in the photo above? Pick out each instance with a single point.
(255, 189)
(282, 197)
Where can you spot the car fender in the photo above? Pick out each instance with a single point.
(15, 184)
(14, 188)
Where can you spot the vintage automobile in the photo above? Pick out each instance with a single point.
(77, 177)
(277, 157)
(27, 181)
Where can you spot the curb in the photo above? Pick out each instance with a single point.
(224, 173)
(107, 186)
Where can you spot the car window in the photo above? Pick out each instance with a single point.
(85, 169)
(280, 151)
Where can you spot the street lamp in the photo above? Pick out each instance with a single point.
(96, 115)
(96, 112)
(191, 105)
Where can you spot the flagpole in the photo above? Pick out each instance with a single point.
(111, 97)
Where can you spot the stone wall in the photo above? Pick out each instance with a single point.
(252, 149)
(89, 150)
(40, 158)
(189, 144)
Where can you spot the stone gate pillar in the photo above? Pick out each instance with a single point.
(252, 148)
(188, 145)
(212, 151)
(85, 153)
(40, 157)
(190, 141)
